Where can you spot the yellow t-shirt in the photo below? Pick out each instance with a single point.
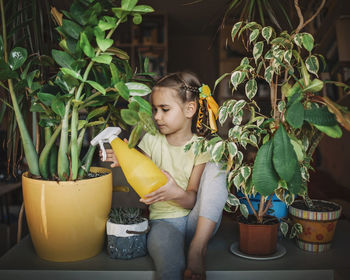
(177, 163)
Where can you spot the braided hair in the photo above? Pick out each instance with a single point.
(187, 85)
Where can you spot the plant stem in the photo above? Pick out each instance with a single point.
(63, 162)
(45, 154)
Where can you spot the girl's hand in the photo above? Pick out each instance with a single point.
(110, 157)
(170, 191)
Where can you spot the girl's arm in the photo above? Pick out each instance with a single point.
(171, 191)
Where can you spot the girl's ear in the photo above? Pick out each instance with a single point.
(190, 109)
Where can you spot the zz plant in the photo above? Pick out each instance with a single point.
(93, 86)
(285, 140)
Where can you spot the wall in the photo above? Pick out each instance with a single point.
(194, 53)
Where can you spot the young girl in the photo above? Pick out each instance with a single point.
(186, 210)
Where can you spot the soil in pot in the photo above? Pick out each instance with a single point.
(258, 239)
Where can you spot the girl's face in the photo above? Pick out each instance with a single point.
(169, 112)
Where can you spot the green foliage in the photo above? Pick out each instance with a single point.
(92, 75)
(271, 154)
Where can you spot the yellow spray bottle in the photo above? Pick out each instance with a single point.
(139, 170)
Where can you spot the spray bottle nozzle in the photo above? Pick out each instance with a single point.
(105, 136)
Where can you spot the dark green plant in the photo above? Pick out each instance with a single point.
(94, 82)
(260, 10)
(285, 140)
(29, 26)
(126, 216)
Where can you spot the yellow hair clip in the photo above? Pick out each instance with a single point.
(213, 107)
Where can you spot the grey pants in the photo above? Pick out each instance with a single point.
(168, 238)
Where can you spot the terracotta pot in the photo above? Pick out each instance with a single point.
(67, 220)
(318, 227)
(258, 239)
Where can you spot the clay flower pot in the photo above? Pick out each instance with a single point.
(258, 239)
(318, 226)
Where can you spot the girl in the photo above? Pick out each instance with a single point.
(186, 210)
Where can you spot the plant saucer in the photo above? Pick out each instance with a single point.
(280, 252)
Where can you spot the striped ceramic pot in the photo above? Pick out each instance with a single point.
(318, 227)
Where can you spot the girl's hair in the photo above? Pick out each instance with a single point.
(187, 85)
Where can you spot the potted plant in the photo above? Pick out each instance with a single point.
(66, 209)
(126, 233)
(271, 154)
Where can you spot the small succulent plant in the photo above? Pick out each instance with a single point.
(127, 216)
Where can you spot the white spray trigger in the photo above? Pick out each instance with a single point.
(102, 147)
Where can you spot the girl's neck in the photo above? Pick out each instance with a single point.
(179, 138)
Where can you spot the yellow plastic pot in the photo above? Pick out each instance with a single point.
(67, 220)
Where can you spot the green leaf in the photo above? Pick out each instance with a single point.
(138, 89)
(235, 29)
(97, 112)
(232, 200)
(308, 41)
(244, 210)
(238, 180)
(143, 9)
(295, 184)
(129, 116)
(46, 98)
(268, 75)
(97, 86)
(287, 56)
(312, 64)
(298, 40)
(253, 35)
(135, 135)
(63, 59)
(267, 33)
(104, 44)
(103, 58)
(315, 86)
(258, 50)
(71, 28)
(320, 116)
(217, 151)
(107, 23)
(245, 172)
(238, 106)
(237, 78)
(144, 105)
(284, 228)
(67, 71)
(58, 107)
(232, 149)
(119, 53)
(223, 114)
(17, 57)
(251, 88)
(122, 90)
(86, 46)
(137, 19)
(128, 5)
(265, 178)
(284, 158)
(332, 131)
(115, 74)
(295, 115)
